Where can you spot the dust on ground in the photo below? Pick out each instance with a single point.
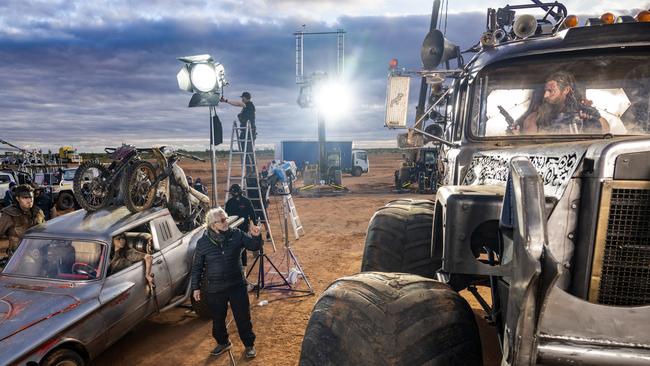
(331, 248)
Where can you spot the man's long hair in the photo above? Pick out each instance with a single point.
(547, 112)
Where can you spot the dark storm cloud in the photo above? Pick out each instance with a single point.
(103, 84)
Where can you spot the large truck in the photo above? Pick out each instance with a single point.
(304, 152)
(542, 212)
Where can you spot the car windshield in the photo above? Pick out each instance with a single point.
(69, 174)
(4, 178)
(564, 95)
(62, 259)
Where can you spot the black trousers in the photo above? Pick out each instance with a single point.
(237, 296)
(249, 146)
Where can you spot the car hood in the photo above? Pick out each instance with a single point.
(22, 307)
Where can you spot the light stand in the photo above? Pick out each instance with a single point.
(205, 78)
(291, 258)
(213, 158)
(261, 284)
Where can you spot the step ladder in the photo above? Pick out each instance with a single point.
(242, 169)
(290, 210)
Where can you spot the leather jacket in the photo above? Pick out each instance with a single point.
(14, 222)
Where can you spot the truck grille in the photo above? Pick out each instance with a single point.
(622, 257)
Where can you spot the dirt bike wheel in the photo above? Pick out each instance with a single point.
(89, 186)
(139, 194)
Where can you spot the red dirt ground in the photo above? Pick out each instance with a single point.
(332, 247)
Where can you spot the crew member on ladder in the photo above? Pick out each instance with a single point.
(246, 116)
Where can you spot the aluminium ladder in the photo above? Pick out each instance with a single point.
(242, 161)
(290, 209)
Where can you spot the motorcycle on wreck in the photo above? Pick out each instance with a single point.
(95, 185)
(140, 184)
(165, 184)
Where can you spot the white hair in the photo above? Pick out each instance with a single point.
(213, 214)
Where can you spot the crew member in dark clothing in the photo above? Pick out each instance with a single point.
(218, 261)
(198, 185)
(246, 116)
(43, 201)
(9, 197)
(243, 207)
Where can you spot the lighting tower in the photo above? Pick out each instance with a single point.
(313, 87)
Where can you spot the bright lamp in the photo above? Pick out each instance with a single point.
(333, 98)
(204, 77)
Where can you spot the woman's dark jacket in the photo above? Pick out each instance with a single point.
(217, 259)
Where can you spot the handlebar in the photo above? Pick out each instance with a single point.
(196, 158)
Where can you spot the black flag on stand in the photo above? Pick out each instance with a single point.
(217, 131)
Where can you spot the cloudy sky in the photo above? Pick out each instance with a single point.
(98, 73)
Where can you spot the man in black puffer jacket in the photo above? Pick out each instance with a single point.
(218, 261)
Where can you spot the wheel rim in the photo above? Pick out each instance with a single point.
(66, 363)
(93, 188)
(66, 201)
(140, 186)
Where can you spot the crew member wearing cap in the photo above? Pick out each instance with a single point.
(247, 115)
(19, 217)
(241, 206)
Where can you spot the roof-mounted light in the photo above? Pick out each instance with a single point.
(643, 16)
(625, 19)
(571, 21)
(608, 18)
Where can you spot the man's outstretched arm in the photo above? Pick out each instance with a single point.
(236, 103)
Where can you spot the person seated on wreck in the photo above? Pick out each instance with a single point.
(124, 256)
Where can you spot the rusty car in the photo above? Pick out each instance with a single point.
(59, 304)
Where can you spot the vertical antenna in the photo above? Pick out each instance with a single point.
(340, 51)
(300, 35)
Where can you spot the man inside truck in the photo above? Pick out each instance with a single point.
(563, 109)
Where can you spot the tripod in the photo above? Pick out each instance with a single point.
(260, 257)
(285, 284)
(287, 202)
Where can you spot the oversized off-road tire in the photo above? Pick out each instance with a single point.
(65, 201)
(63, 356)
(89, 186)
(399, 239)
(137, 186)
(376, 318)
(404, 177)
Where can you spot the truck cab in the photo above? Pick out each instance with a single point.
(541, 213)
(62, 192)
(360, 163)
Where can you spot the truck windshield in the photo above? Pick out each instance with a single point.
(57, 259)
(590, 94)
(68, 174)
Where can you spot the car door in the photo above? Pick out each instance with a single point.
(174, 247)
(126, 297)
